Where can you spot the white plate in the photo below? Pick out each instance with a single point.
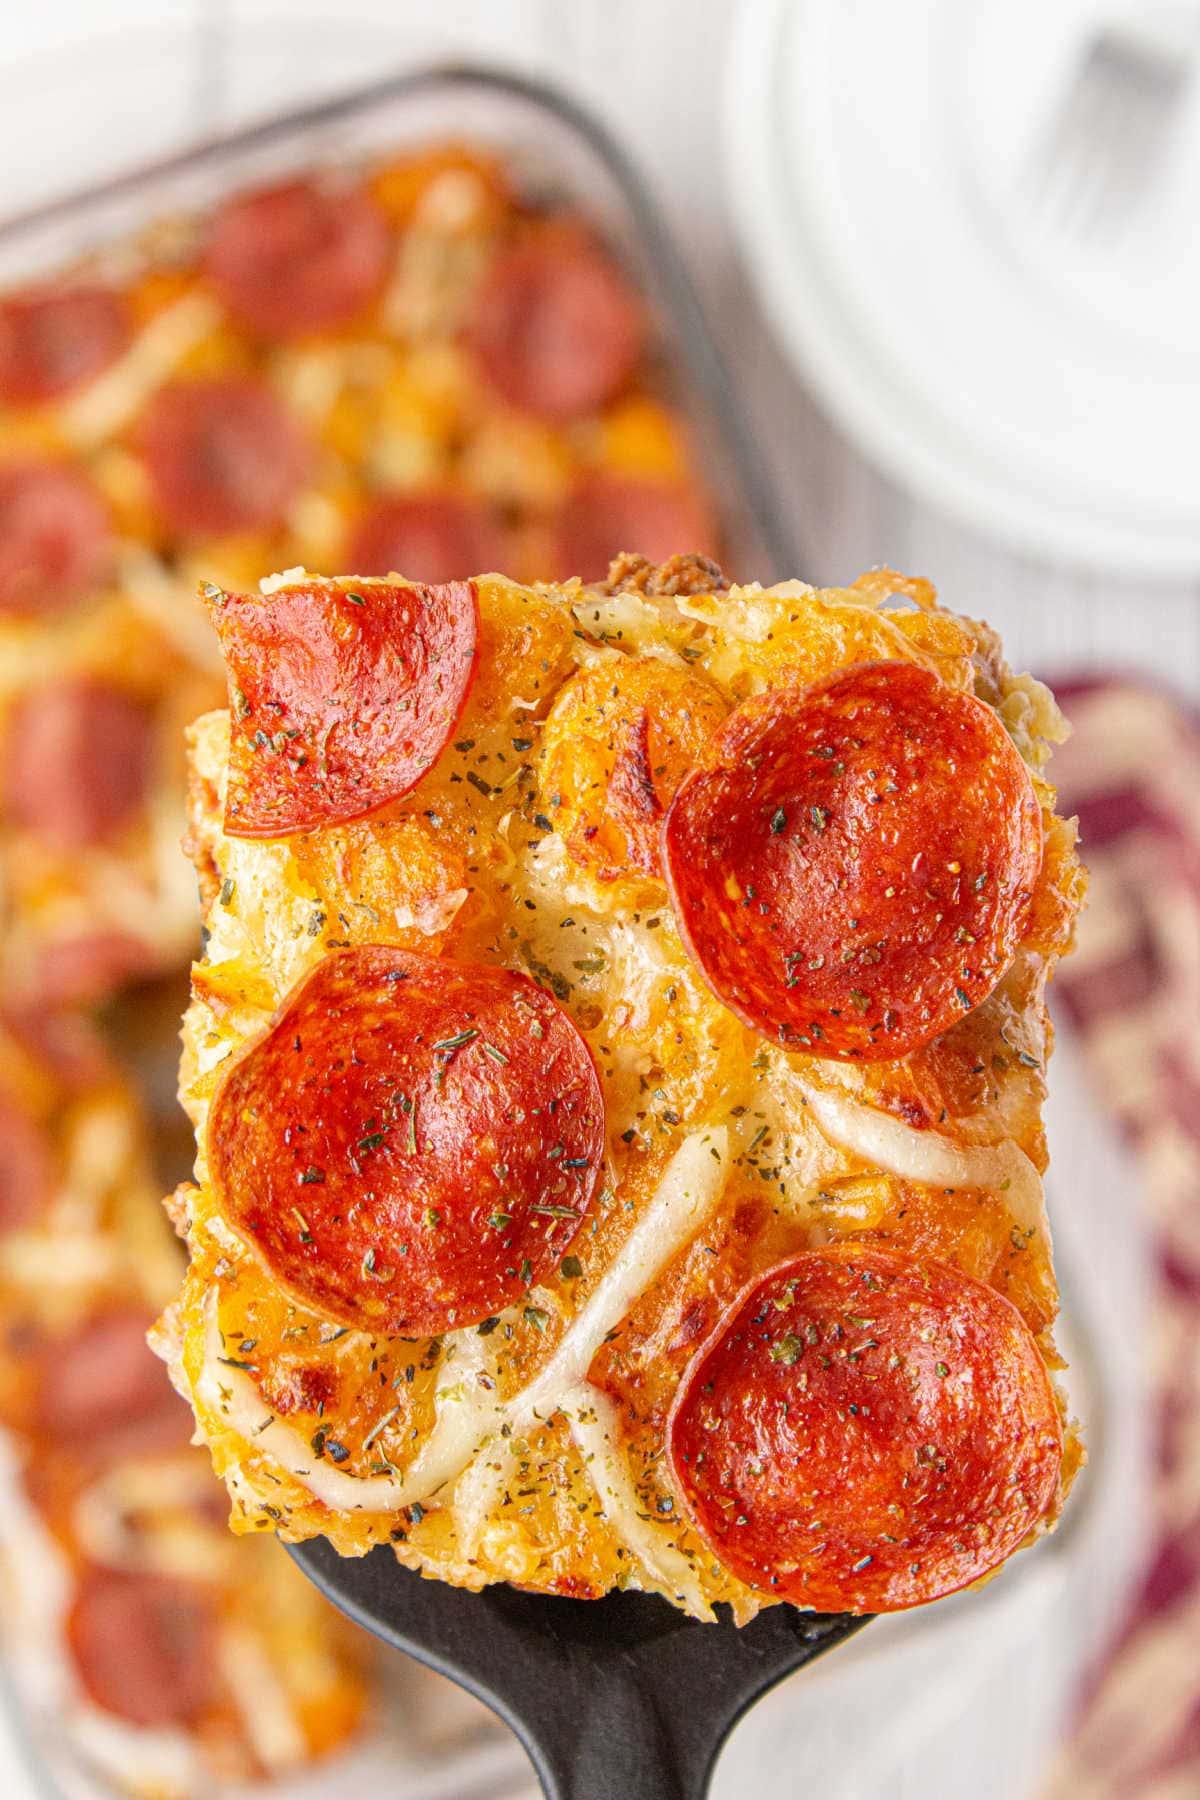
(1041, 387)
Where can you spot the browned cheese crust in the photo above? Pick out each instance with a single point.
(517, 849)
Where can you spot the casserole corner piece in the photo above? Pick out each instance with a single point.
(617, 1061)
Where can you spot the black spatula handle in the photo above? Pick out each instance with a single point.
(644, 1705)
(616, 1699)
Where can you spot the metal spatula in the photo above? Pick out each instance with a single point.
(615, 1699)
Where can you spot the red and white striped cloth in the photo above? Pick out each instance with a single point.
(1131, 771)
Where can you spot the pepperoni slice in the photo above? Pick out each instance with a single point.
(103, 1391)
(428, 537)
(55, 537)
(608, 514)
(340, 697)
(26, 1168)
(298, 258)
(55, 339)
(413, 1143)
(77, 761)
(864, 1432)
(144, 1646)
(852, 867)
(556, 329)
(223, 455)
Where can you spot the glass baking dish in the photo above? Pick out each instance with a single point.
(550, 142)
(555, 147)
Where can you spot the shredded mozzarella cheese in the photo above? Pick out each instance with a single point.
(108, 1518)
(479, 1490)
(463, 1408)
(271, 584)
(136, 1758)
(232, 1396)
(163, 601)
(690, 1187)
(264, 1705)
(68, 1262)
(595, 1428)
(434, 915)
(629, 619)
(934, 1161)
(110, 402)
(469, 1414)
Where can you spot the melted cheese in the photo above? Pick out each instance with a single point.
(263, 1702)
(685, 1197)
(629, 619)
(468, 1413)
(70, 1260)
(232, 1397)
(154, 593)
(747, 614)
(134, 1758)
(668, 1053)
(479, 1490)
(115, 398)
(433, 916)
(595, 1427)
(271, 584)
(931, 1160)
(465, 1411)
(109, 1518)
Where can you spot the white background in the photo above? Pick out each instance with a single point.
(915, 1710)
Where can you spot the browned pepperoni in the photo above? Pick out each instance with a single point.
(413, 1143)
(144, 1646)
(223, 455)
(556, 328)
(298, 258)
(55, 339)
(865, 1432)
(55, 537)
(26, 1168)
(103, 1392)
(427, 537)
(77, 761)
(340, 697)
(852, 865)
(608, 514)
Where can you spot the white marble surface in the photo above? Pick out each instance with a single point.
(958, 1703)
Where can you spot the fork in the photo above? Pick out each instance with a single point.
(1108, 137)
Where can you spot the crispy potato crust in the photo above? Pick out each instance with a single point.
(522, 847)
